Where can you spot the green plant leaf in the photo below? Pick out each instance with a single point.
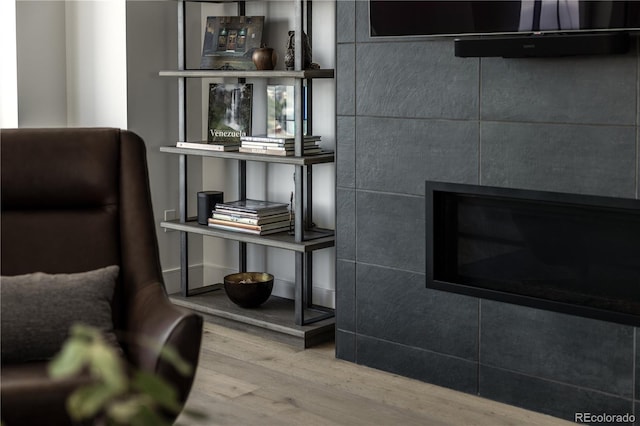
(88, 401)
(70, 360)
(122, 411)
(107, 365)
(162, 393)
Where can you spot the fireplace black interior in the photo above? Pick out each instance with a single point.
(570, 253)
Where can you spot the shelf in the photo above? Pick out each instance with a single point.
(314, 239)
(274, 318)
(324, 157)
(311, 73)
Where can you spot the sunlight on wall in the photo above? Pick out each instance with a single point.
(96, 63)
(8, 71)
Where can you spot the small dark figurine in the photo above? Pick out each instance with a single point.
(289, 57)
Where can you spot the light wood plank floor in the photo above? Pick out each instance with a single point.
(243, 379)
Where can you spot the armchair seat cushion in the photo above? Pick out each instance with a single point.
(20, 381)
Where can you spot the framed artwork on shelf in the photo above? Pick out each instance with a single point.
(281, 111)
(229, 42)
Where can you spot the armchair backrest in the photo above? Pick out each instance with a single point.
(75, 200)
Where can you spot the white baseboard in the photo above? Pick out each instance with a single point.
(281, 288)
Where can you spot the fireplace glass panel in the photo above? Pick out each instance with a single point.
(580, 256)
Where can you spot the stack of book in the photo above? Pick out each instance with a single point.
(252, 216)
(284, 146)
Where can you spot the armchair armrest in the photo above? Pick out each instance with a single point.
(152, 316)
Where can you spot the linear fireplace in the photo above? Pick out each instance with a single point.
(570, 253)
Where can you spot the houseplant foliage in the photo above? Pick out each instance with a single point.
(114, 397)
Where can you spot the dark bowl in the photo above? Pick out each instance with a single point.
(248, 289)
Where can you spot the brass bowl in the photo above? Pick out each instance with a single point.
(248, 289)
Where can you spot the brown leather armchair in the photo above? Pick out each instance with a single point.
(77, 200)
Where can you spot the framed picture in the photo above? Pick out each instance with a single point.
(229, 42)
(281, 111)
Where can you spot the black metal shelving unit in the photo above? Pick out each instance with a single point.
(305, 240)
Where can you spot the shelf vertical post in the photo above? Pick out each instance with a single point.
(182, 135)
(242, 194)
(299, 298)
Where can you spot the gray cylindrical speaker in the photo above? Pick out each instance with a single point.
(206, 203)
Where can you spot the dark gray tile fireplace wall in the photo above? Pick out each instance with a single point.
(408, 111)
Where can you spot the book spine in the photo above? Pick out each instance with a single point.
(264, 145)
(205, 146)
(233, 228)
(265, 139)
(249, 150)
(250, 138)
(236, 218)
(247, 231)
(223, 210)
(235, 224)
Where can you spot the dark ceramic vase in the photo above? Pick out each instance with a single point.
(265, 58)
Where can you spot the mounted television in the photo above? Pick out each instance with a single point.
(512, 28)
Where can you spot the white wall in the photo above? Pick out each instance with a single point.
(71, 63)
(42, 64)
(96, 39)
(9, 68)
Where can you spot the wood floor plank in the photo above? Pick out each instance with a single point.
(243, 379)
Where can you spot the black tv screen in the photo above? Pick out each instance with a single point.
(390, 18)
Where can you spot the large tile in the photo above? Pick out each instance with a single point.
(346, 295)
(593, 90)
(398, 155)
(441, 370)
(547, 397)
(345, 346)
(362, 20)
(390, 230)
(563, 348)
(345, 79)
(638, 151)
(346, 152)
(415, 79)
(345, 21)
(637, 368)
(345, 224)
(396, 306)
(599, 160)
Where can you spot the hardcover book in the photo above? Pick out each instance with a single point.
(249, 231)
(281, 140)
(279, 152)
(210, 146)
(265, 227)
(229, 116)
(258, 207)
(229, 42)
